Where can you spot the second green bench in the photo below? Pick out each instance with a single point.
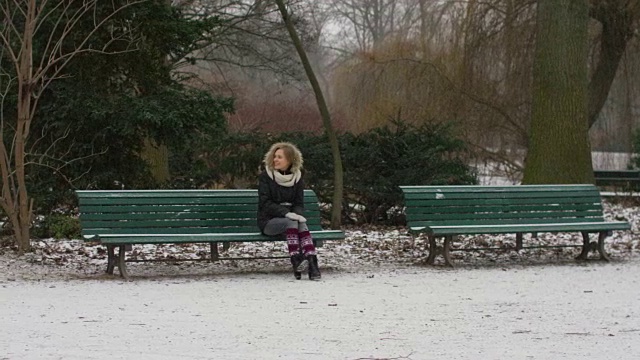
(449, 211)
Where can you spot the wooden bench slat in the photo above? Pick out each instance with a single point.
(511, 216)
(170, 216)
(185, 230)
(176, 230)
(497, 189)
(88, 209)
(507, 208)
(488, 221)
(206, 237)
(576, 195)
(228, 224)
(521, 228)
(195, 200)
(499, 201)
(188, 193)
(163, 201)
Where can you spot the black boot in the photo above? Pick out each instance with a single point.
(299, 264)
(314, 270)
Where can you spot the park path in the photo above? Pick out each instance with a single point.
(567, 311)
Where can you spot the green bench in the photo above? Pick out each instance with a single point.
(623, 180)
(122, 218)
(449, 211)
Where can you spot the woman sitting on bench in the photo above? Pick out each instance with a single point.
(281, 206)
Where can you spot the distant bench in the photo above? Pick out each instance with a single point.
(449, 211)
(121, 218)
(624, 180)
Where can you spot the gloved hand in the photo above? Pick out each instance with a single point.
(295, 217)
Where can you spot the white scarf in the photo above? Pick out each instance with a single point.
(287, 180)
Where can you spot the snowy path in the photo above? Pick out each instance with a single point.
(521, 312)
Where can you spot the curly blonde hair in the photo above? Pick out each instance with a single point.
(291, 152)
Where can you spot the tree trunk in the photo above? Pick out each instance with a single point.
(22, 222)
(617, 20)
(336, 209)
(559, 150)
(157, 157)
(18, 30)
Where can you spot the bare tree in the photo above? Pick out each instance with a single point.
(367, 23)
(35, 69)
(249, 38)
(483, 54)
(336, 210)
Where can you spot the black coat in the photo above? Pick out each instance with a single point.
(271, 195)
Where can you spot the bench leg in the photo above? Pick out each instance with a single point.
(445, 250)
(214, 251)
(111, 259)
(433, 251)
(603, 254)
(122, 266)
(226, 246)
(587, 246)
(518, 241)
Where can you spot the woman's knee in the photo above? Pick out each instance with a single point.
(292, 224)
(277, 226)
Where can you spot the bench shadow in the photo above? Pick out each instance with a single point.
(524, 262)
(178, 271)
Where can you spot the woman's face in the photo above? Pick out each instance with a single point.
(280, 161)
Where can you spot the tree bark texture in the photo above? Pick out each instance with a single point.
(157, 157)
(21, 219)
(559, 150)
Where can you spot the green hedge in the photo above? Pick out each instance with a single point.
(375, 164)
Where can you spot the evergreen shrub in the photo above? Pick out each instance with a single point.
(375, 164)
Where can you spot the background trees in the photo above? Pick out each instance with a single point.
(471, 62)
(84, 83)
(191, 75)
(38, 41)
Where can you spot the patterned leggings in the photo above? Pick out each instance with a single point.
(296, 233)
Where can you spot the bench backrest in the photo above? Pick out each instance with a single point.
(613, 177)
(516, 204)
(177, 211)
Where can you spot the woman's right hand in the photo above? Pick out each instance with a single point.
(295, 217)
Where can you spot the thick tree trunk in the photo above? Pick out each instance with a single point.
(336, 209)
(617, 19)
(559, 150)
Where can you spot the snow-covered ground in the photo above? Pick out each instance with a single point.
(366, 247)
(556, 311)
(377, 300)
